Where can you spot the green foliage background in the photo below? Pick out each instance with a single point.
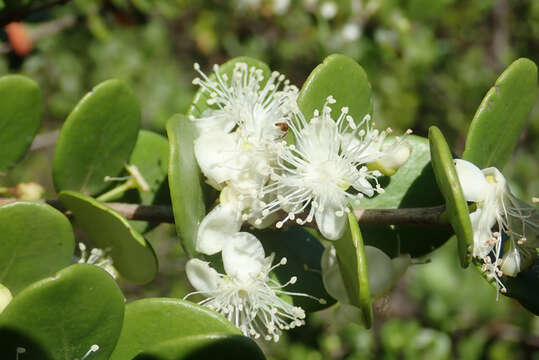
(429, 63)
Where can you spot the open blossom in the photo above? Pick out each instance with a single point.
(246, 295)
(325, 170)
(237, 146)
(499, 218)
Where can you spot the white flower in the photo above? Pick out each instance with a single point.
(97, 257)
(328, 10)
(237, 148)
(317, 173)
(246, 295)
(498, 215)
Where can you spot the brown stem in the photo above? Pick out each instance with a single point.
(163, 214)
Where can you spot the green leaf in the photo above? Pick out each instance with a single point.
(149, 322)
(524, 287)
(36, 242)
(199, 104)
(344, 79)
(97, 138)
(185, 181)
(413, 185)
(353, 265)
(132, 255)
(303, 252)
(448, 182)
(21, 111)
(501, 117)
(63, 316)
(150, 156)
(210, 346)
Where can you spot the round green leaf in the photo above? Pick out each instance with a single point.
(97, 138)
(185, 181)
(211, 346)
(36, 242)
(353, 265)
(132, 255)
(303, 252)
(21, 111)
(150, 157)
(502, 115)
(199, 105)
(344, 79)
(63, 316)
(413, 185)
(448, 182)
(149, 322)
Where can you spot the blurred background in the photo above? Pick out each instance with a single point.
(429, 62)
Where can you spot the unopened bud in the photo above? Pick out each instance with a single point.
(392, 159)
(30, 191)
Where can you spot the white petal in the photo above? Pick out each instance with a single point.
(330, 225)
(472, 180)
(511, 261)
(380, 271)
(481, 226)
(331, 276)
(364, 186)
(494, 176)
(203, 277)
(217, 228)
(5, 297)
(243, 256)
(216, 154)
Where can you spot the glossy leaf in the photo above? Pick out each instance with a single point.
(448, 182)
(63, 316)
(97, 138)
(150, 157)
(344, 79)
(303, 252)
(523, 287)
(413, 185)
(149, 322)
(211, 346)
(36, 242)
(502, 115)
(132, 255)
(185, 181)
(199, 104)
(21, 112)
(353, 265)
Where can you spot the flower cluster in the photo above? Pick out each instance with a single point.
(97, 257)
(272, 165)
(247, 295)
(505, 229)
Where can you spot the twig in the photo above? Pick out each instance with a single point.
(45, 140)
(163, 214)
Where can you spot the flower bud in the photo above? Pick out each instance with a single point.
(29, 191)
(391, 161)
(5, 297)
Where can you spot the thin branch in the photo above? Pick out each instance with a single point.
(163, 214)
